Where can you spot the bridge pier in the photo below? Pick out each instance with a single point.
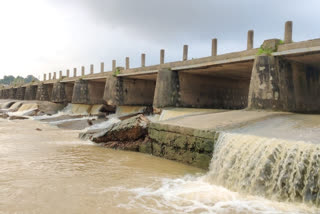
(59, 93)
(20, 93)
(44, 92)
(31, 92)
(12, 93)
(88, 92)
(126, 91)
(281, 84)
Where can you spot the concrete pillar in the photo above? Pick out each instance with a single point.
(101, 67)
(167, 89)
(42, 93)
(91, 69)
(162, 52)
(80, 92)
(185, 53)
(114, 65)
(54, 75)
(74, 72)
(68, 73)
(31, 92)
(44, 77)
(127, 63)
(288, 32)
(58, 93)
(60, 74)
(214, 47)
(143, 60)
(82, 70)
(250, 39)
(20, 93)
(49, 76)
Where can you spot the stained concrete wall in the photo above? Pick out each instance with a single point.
(20, 93)
(203, 91)
(284, 85)
(31, 92)
(122, 91)
(12, 93)
(138, 92)
(44, 92)
(180, 89)
(58, 93)
(69, 91)
(88, 92)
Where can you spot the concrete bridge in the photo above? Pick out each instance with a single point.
(280, 75)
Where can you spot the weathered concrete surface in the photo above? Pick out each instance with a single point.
(59, 93)
(88, 92)
(43, 92)
(191, 139)
(80, 92)
(12, 93)
(20, 93)
(204, 91)
(31, 92)
(112, 92)
(284, 85)
(167, 89)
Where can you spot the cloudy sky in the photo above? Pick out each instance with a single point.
(42, 36)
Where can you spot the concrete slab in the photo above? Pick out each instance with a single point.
(219, 121)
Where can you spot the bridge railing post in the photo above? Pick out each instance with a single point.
(54, 75)
(214, 47)
(162, 52)
(82, 70)
(68, 73)
(288, 32)
(74, 72)
(44, 77)
(49, 76)
(101, 67)
(127, 63)
(250, 38)
(114, 65)
(60, 74)
(185, 53)
(91, 69)
(143, 60)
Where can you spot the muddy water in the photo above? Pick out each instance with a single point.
(52, 171)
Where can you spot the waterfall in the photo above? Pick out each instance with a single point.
(274, 168)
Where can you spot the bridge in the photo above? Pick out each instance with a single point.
(280, 75)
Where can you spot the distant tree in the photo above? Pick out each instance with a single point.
(7, 80)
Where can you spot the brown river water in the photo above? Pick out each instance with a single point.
(52, 171)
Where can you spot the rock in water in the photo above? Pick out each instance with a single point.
(17, 118)
(127, 134)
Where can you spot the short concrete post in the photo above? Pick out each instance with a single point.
(91, 69)
(127, 63)
(214, 47)
(82, 71)
(49, 76)
(114, 65)
(54, 75)
(185, 53)
(60, 74)
(250, 39)
(288, 32)
(143, 60)
(162, 52)
(68, 73)
(101, 67)
(74, 72)
(44, 77)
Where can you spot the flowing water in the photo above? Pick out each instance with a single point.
(269, 167)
